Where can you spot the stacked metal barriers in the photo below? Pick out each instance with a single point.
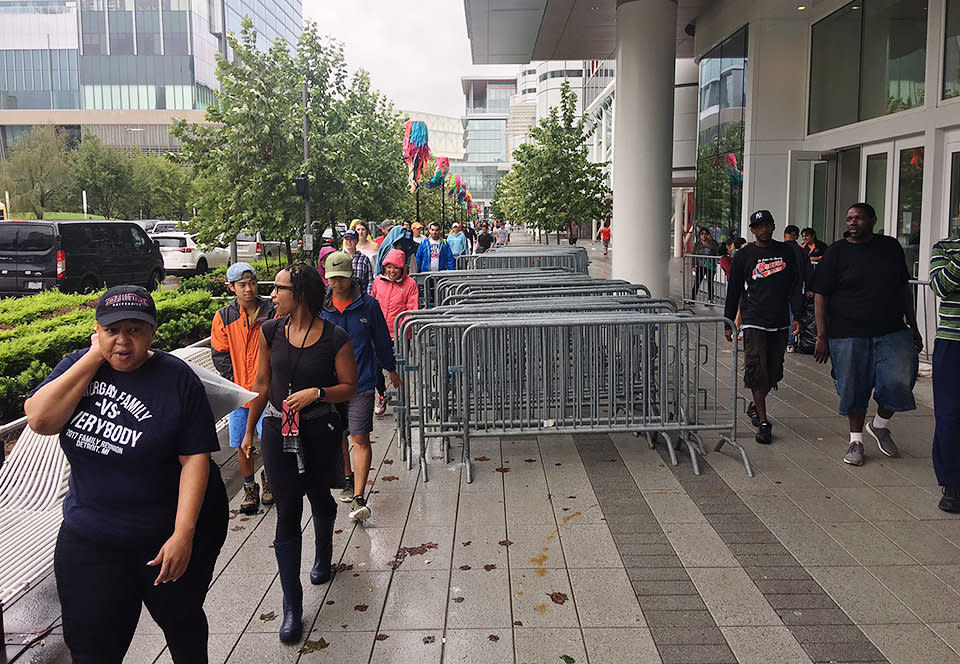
(498, 365)
(512, 258)
(428, 281)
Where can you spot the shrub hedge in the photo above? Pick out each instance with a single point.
(38, 330)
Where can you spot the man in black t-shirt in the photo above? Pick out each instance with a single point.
(484, 240)
(764, 285)
(864, 306)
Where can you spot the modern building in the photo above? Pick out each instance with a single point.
(485, 158)
(121, 69)
(803, 109)
(445, 132)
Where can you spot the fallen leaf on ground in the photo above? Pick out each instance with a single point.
(313, 646)
(360, 607)
(558, 598)
(267, 617)
(489, 567)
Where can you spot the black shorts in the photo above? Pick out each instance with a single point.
(763, 358)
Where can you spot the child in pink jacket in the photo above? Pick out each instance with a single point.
(394, 289)
(396, 292)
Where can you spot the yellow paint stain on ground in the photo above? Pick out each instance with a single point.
(572, 516)
(551, 537)
(541, 609)
(539, 560)
(545, 549)
(541, 572)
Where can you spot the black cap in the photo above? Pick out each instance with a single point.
(761, 217)
(126, 302)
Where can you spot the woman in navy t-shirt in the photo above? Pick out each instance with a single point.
(146, 512)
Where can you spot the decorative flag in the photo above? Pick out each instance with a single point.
(416, 151)
(443, 165)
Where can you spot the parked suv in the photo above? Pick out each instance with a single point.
(181, 255)
(76, 256)
(253, 247)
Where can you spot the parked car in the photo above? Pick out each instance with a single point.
(252, 247)
(181, 255)
(76, 256)
(165, 227)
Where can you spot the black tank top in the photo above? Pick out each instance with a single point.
(316, 366)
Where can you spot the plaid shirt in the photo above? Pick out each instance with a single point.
(363, 272)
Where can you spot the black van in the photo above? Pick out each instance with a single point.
(76, 256)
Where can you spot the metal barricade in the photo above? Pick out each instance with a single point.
(595, 289)
(704, 281)
(428, 281)
(451, 288)
(565, 372)
(574, 258)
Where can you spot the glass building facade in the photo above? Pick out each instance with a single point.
(719, 189)
(484, 162)
(125, 54)
(874, 52)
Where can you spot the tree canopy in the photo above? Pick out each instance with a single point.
(552, 182)
(39, 171)
(247, 159)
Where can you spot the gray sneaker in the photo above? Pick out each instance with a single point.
(346, 495)
(359, 509)
(854, 455)
(884, 440)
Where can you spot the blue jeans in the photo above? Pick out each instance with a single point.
(885, 366)
(946, 408)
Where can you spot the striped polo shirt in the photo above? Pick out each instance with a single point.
(945, 281)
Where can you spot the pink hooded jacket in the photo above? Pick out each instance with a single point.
(395, 296)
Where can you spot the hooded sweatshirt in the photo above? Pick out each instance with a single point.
(395, 296)
(364, 322)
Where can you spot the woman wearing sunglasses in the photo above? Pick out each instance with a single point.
(306, 365)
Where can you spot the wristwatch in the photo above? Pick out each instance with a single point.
(321, 393)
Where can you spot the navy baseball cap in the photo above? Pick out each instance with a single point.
(125, 303)
(761, 217)
(239, 271)
(351, 234)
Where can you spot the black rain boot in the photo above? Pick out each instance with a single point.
(323, 530)
(288, 562)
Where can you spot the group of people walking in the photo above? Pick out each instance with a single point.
(138, 430)
(866, 326)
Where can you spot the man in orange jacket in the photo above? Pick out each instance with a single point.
(234, 344)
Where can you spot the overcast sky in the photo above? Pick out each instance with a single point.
(415, 52)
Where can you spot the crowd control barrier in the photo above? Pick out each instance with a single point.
(567, 364)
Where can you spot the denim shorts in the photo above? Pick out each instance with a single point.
(238, 425)
(886, 366)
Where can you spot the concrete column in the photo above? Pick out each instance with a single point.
(643, 142)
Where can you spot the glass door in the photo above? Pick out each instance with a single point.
(876, 182)
(812, 191)
(910, 203)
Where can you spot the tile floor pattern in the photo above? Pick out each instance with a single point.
(594, 549)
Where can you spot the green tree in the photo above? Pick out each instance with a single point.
(105, 173)
(38, 172)
(245, 162)
(552, 182)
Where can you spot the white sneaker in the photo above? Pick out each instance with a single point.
(381, 407)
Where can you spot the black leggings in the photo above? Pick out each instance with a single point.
(102, 588)
(324, 462)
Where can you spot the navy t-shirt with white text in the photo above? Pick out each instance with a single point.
(123, 442)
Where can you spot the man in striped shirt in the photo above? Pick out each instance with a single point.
(945, 281)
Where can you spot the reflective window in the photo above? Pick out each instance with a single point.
(909, 206)
(951, 52)
(867, 60)
(877, 185)
(723, 75)
(954, 210)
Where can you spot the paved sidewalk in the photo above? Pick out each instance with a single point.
(595, 549)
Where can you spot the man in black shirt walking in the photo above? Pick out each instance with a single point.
(867, 326)
(765, 285)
